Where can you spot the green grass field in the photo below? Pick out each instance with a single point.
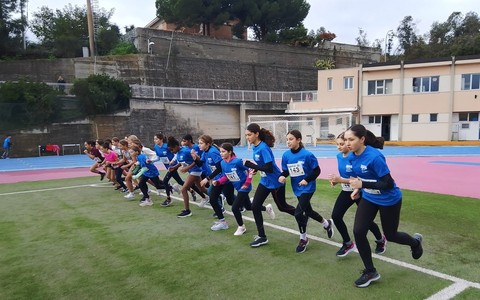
(66, 239)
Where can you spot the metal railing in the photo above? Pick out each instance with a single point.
(175, 93)
(214, 95)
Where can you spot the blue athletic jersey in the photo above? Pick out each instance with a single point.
(185, 158)
(210, 158)
(164, 155)
(345, 170)
(299, 165)
(236, 173)
(6, 143)
(262, 154)
(152, 169)
(371, 166)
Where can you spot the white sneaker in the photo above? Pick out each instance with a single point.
(176, 188)
(146, 202)
(219, 226)
(130, 195)
(204, 201)
(270, 211)
(240, 230)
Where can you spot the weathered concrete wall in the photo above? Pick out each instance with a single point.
(199, 62)
(145, 119)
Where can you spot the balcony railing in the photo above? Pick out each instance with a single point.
(214, 95)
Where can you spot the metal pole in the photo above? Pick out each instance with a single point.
(91, 37)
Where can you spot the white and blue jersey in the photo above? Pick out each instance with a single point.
(299, 165)
(345, 170)
(185, 158)
(236, 173)
(210, 158)
(152, 169)
(262, 154)
(370, 166)
(164, 155)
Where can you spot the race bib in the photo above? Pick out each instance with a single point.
(164, 160)
(263, 174)
(296, 169)
(232, 176)
(372, 191)
(346, 187)
(213, 168)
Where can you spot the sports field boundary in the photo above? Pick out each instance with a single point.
(458, 284)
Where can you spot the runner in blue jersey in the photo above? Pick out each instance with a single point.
(147, 172)
(302, 167)
(165, 156)
(265, 164)
(211, 161)
(379, 194)
(185, 164)
(344, 202)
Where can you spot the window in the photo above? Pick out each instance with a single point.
(380, 87)
(425, 84)
(414, 118)
(472, 117)
(348, 83)
(471, 81)
(433, 117)
(375, 119)
(329, 84)
(339, 121)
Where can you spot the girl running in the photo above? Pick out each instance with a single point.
(165, 156)
(262, 140)
(239, 176)
(379, 194)
(344, 202)
(185, 164)
(302, 166)
(96, 156)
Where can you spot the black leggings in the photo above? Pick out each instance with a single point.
(118, 177)
(343, 203)
(389, 216)
(142, 183)
(215, 191)
(304, 210)
(242, 200)
(259, 198)
(175, 176)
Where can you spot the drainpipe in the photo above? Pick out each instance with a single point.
(402, 99)
(451, 99)
(359, 94)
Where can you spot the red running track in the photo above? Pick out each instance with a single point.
(459, 176)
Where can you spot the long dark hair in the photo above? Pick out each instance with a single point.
(228, 147)
(172, 142)
(370, 139)
(161, 137)
(298, 135)
(263, 134)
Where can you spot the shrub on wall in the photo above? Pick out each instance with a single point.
(101, 94)
(25, 103)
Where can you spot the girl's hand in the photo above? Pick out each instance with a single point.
(282, 179)
(303, 183)
(183, 169)
(355, 194)
(355, 183)
(204, 182)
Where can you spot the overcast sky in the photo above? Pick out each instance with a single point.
(342, 17)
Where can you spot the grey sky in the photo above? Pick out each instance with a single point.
(342, 17)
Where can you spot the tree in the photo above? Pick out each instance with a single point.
(101, 94)
(190, 13)
(26, 102)
(361, 39)
(11, 28)
(65, 32)
(406, 34)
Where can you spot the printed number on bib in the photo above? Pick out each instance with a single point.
(233, 176)
(165, 160)
(295, 169)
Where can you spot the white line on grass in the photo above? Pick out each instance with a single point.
(458, 286)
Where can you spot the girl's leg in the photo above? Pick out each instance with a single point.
(177, 177)
(390, 217)
(118, 177)
(279, 198)
(341, 206)
(189, 181)
(215, 192)
(129, 182)
(364, 217)
(242, 200)
(257, 207)
(143, 186)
